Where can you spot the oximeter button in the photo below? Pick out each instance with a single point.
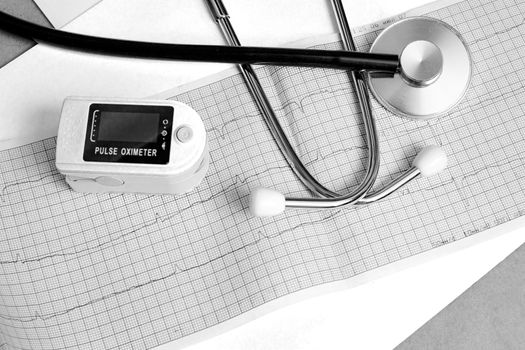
(184, 134)
(109, 181)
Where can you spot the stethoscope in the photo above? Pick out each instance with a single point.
(425, 74)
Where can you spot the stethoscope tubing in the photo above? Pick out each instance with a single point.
(347, 60)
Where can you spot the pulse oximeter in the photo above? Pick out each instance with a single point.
(140, 146)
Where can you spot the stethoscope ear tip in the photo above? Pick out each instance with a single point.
(266, 202)
(430, 160)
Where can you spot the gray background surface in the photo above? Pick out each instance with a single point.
(489, 315)
(11, 46)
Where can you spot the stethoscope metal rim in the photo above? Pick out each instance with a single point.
(426, 102)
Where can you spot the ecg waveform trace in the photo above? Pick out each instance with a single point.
(122, 270)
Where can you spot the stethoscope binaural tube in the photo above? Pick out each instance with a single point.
(267, 202)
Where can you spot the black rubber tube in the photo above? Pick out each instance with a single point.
(203, 53)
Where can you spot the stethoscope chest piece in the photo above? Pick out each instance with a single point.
(435, 68)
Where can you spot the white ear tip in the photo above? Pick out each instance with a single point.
(266, 202)
(430, 160)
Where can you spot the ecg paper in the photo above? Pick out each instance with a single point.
(122, 270)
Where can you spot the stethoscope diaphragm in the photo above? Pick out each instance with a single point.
(435, 68)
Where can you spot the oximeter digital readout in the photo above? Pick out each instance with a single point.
(140, 146)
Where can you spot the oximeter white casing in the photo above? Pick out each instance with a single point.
(140, 146)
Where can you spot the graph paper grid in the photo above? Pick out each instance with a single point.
(135, 271)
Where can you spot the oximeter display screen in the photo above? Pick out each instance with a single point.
(122, 133)
(128, 126)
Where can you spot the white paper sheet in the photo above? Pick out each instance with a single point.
(61, 12)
